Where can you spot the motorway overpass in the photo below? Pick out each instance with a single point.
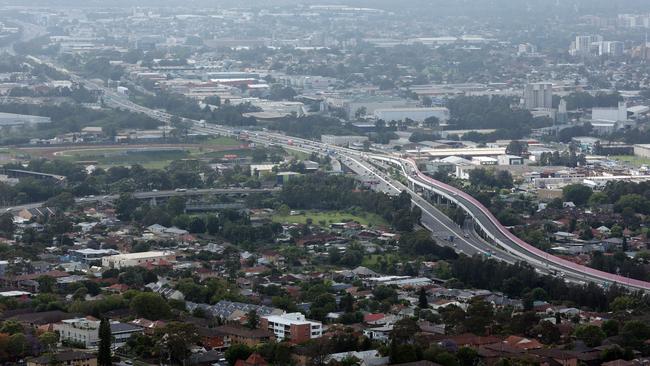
(510, 246)
(152, 195)
(492, 228)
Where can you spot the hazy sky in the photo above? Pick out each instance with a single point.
(457, 7)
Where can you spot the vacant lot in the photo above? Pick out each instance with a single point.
(325, 218)
(630, 159)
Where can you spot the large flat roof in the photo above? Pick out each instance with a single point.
(483, 151)
(141, 255)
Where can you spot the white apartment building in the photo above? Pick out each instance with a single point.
(135, 259)
(86, 332)
(292, 327)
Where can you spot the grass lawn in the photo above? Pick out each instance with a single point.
(297, 154)
(329, 217)
(156, 159)
(223, 141)
(631, 159)
(372, 261)
(220, 154)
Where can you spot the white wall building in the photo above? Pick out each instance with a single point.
(510, 160)
(292, 327)
(86, 332)
(615, 114)
(538, 95)
(343, 140)
(414, 114)
(136, 259)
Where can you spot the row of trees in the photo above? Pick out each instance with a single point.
(584, 100)
(79, 94)
(181, 106)
(493, 113)
(311, 126)
(117, 179)
(520, 279)
(323, 192)
(73, 117)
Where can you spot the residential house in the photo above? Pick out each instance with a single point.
(366, 358)
(253, 360)
(380, 334)
(231, 334)
(68, 358)
(523, 343)
(37, 213)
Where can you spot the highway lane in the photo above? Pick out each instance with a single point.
(150, 195)
(435, 221)
(513, 245)
(509, 248)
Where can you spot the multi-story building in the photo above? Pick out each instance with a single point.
(89, 255)
(68, 358)
(414, 114)
(86, 331)
(292, 327)
(585, 45)
(135, 259)
(538, 95)
(611, 48)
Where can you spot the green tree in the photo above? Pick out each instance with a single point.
(17, 345)
(577, 193)
(7, 226)
(49, 340)
(404, 331)
(11, 327)
(252, 319)
(237, 352)
(212, 224)
(590, 334)
(610, 327)
(423, 302)
(46, 284)
(178, 338)
(548, 332)
(61, 201)
(176, 205)
(150, 305)
(479, 316)
(516, 147)
(467, 356)
(197, 225)
(125, 206)
(283, 210)
(104, 357)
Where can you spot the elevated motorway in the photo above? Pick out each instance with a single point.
(509, 246)
(509, 242)
(505, 245)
